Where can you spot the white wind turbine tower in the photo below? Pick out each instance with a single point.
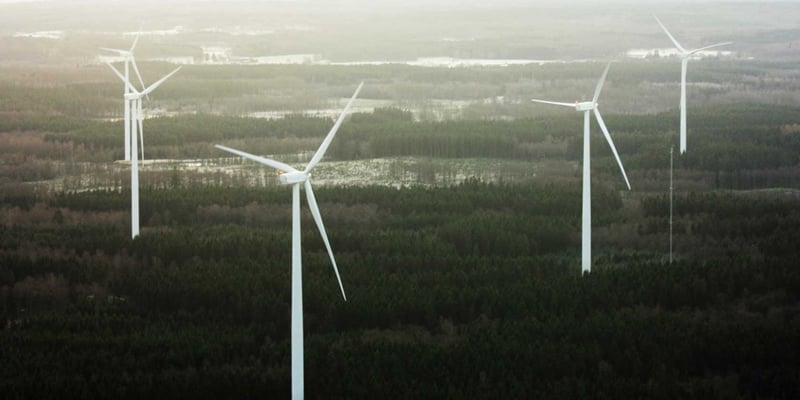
(296, 178)
(685, 56)
(128, 59)
(133, 104)
(588, 107)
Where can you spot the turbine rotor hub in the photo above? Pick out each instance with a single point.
(585, 106)
(291, 178)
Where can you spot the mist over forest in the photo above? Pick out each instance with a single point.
(357, 30)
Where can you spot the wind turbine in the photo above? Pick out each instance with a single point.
(587, 107)
(133, 107)
(685, 56)
(128, 59)
(296, 178)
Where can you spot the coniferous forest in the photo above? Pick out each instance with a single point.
(452, 205)
(468, 290)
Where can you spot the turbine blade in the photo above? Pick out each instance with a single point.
(678, 45)
(135, 40)
(312, 204)
(159, 82)
(119, 74)
(118, 51)
(695, 51)
(141, 129)
(136, 69)
(602, 81)
(572, 105)
(261, 160)
(611, 144)
(328, 139)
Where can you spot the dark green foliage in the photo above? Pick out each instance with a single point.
(471, 291)
(33, 122)
(467, 291)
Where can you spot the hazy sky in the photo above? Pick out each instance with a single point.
(346, 29)
(373, 3)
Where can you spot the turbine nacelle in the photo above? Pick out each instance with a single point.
(125, 54)
(686, 55)
(293, 178)
(135, 95)
(132, 93)
(586, 107)
(129, 60)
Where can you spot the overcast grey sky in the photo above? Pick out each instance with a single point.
(408, 2)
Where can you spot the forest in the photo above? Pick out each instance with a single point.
(467, 290)
(453, 207)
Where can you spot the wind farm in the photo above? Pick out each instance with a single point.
(133, 124)
(490, 246)
(129, 61)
